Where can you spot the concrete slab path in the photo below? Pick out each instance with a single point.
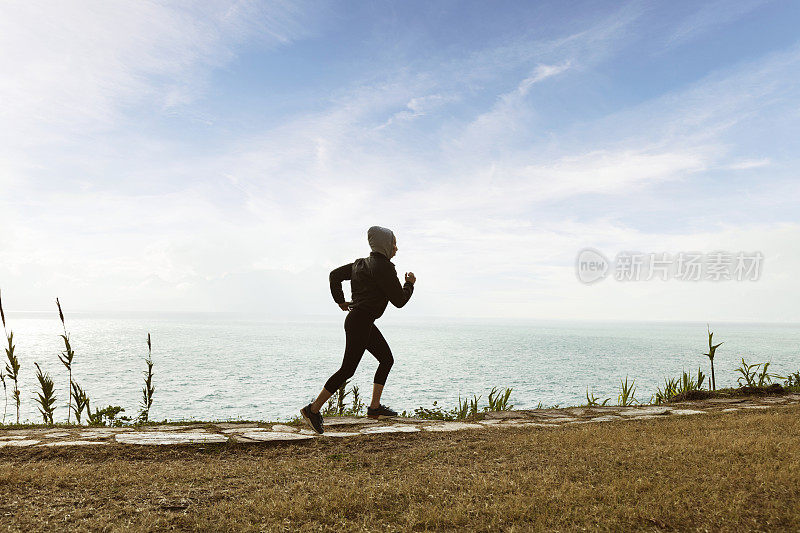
(354, 427)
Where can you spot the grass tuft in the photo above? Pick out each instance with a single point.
(46, 398)
(81, 401)
(108, 416)
(498, 400)
(592, 400)
(626, 393)
(755, 375)
(685, 387)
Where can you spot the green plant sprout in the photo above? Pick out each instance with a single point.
(712, 348)
(626, 393)
(46, 398)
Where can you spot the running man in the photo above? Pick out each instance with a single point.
(373, 284)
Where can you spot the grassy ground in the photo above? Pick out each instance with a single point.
(715, 472)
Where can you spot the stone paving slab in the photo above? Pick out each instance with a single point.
(556, 413)
(159, 438)
(522, 422)
(348, 421)
(95, 434)
(451, 426)
(232, 425)
(55, 434)
(275, 436)
(408, 419)
(340, 434)
(606, 418)
(241, 429)
(239, 438)
(556, 419)
(397, 428)
(74, 443)
(23, 442)
(681, 412)
(646, 410)
(284, 428)
(507, 414)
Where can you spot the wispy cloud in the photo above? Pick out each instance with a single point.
(711, 15)
(77, 74)
(540, 73)
(747, 164)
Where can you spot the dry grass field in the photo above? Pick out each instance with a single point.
(715, 472)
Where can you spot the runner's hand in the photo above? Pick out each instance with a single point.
(345, 306)
(411, 278)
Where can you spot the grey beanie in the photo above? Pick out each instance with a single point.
(381, 240)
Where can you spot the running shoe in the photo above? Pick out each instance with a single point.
(314, 419)
(379, 412)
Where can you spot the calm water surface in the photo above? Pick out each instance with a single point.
(212, 367)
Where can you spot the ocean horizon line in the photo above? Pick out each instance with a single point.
(338, 317)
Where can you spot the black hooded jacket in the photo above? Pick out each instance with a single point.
(373, 284)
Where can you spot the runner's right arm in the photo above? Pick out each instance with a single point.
(336, 277)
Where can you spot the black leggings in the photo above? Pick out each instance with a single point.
(361, 334)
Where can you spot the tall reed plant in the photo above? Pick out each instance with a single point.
(47, 397)
(66, 357)
(149, 389)
(12, 363)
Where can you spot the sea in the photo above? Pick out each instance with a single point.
(234, 367)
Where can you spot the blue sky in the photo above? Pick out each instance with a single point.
(224, 156)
